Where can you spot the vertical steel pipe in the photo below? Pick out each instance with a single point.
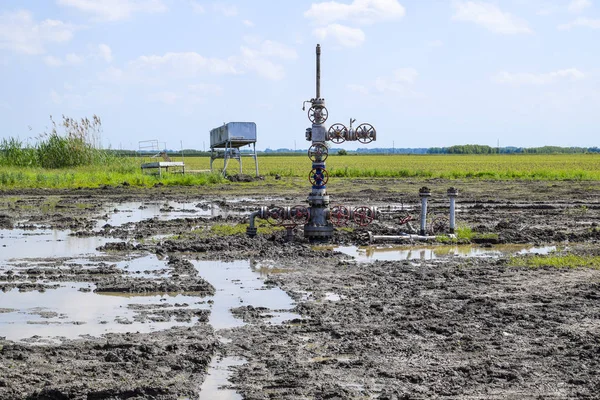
(424, 194)
(318, 71)
(452, 194)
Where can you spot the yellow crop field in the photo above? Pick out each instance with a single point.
(503, 166)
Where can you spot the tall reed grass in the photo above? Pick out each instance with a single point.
(71, 143)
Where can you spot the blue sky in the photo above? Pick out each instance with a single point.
(424, 73)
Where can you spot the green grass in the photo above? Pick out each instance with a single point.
(464, 233)
(116, 171)
(556, 261)
(221, 230)
(240, 229)
(97, 176)
(498, 167)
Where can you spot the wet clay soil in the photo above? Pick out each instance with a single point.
(451, 326)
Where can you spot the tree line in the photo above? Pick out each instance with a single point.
(483, 149)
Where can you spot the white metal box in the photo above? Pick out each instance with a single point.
(233, 134)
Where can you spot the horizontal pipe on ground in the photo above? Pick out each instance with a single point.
(399, 238)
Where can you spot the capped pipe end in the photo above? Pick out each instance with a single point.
(424, 192)
(452, 192)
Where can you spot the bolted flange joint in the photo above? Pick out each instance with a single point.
(251, 232)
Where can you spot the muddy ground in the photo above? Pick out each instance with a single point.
(447, 327)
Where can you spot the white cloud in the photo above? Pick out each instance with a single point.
(112, 74)
(581, 22)
(5, 105)
(73, 59)
(361, 89)
(182, 65)
(257, 58)
(228, 10)
(270, 48)
(490, 17)
(358, 12)
(405, 75)
(19, 32)
(399, 82)
(525, 78)
(577, 6)
(197, 7)
(105, 52)
(254, 61)
(165, 97)
(548, 10)
(248, 23)
(70, 59)
(115, 10)
(55, 97)
(344, 35)
(87, 99)
(193, 94)
(52, 61)
(206, 89)
(155, 69)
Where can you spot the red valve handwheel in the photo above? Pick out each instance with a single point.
(339, 215)
(275, 215)
(313, 179)
(318, 114)
(365, 133)
(338, 133)
(299, 215)
(318, 152)
(363, 215)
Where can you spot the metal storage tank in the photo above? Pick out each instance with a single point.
(233, 135)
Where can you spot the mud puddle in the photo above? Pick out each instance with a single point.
(68, 312)
(46, 243)
(217, 379)
(400, 253)
(137, 211)
(239, 285)
(74, 309)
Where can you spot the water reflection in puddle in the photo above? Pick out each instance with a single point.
(136, 211)
(238, 284)
(74, 309)
(45, 243)
(68, 312)
(217, 378)
(372, 253)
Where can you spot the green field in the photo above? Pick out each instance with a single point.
(502, 167)
(517, 166)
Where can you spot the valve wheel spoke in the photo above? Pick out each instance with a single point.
(318, 114)
(337, 133)
(318, 152)
(339, 215)
(363, 215)
(299, 215)
(365, 133)
(275, 215)
(318, 174)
